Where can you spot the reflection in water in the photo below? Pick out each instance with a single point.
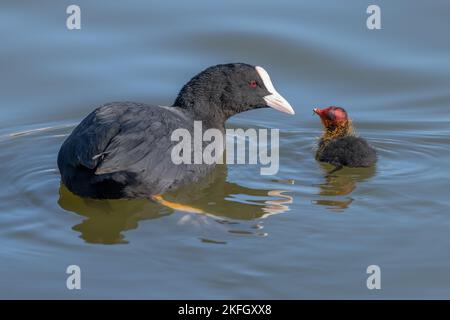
(213, 196)
(279, 205)
(217, 197)
(341, 183)
(107, 219)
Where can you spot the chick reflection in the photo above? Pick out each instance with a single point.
(106, 220)
(341, 183)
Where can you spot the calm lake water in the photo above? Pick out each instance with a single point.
(298, 234)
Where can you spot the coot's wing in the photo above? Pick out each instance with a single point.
(88, 141)
(143, 140)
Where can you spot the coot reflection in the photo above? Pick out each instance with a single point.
(225, 203)
(339, 184)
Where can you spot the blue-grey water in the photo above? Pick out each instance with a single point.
(313, 240)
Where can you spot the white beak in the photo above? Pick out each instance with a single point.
(274, 99)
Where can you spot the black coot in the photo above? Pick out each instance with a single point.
(123, 149)
(338, 144)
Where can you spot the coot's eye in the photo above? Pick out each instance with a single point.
(252, 83)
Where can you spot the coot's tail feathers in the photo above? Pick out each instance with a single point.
(176, 206)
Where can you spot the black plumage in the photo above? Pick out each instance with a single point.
(123, 149)
(338, 145)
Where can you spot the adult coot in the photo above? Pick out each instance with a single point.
(338, 145)
(123, 149)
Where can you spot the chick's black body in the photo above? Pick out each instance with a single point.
(123, 149)
(349, 151)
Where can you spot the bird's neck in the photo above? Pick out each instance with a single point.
(202, 107)
(206, 113)
(336, 131)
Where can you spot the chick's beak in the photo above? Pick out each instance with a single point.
(317, 111)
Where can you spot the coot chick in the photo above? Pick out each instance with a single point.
(338, 145)
(123, 149)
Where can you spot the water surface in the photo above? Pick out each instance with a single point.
(299, 234)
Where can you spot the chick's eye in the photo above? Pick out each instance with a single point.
(331, 115)
(252, 84)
